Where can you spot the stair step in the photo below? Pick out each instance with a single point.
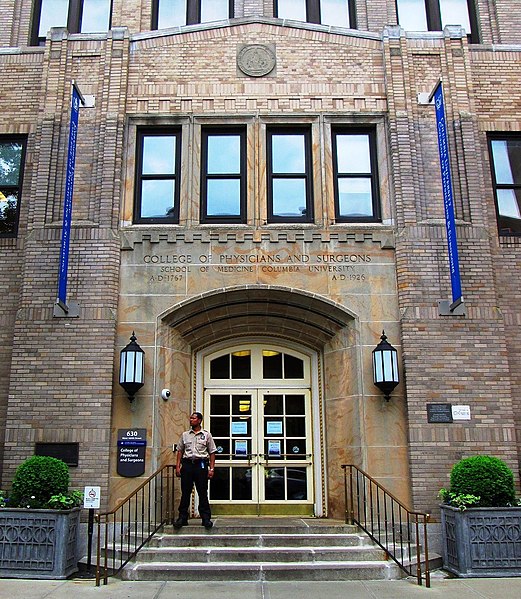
(260, 554)
(257, 540)
(247, 571)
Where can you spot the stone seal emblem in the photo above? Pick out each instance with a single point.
(256, 60)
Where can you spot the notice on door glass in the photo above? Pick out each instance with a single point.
(274, 427)
(273, 447)
(239, 428)
(241, 447)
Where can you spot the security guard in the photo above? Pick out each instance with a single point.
(195, 465)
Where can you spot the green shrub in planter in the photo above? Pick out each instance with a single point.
(42, 482)
(484, 477)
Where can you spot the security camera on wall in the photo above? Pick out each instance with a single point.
(165, 394)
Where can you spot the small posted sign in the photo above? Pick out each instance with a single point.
(92, 498)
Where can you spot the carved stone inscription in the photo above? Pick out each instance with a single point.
(342, 266)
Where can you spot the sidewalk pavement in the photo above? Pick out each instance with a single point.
(441, 588)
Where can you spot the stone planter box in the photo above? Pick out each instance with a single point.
(38, 543)
(481, 542)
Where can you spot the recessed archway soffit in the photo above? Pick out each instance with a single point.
(259, 310)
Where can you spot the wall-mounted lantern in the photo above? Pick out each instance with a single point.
(385, 367)
(132, 368)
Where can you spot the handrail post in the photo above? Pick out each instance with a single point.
(98, 550)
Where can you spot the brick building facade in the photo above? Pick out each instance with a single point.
(298, 163)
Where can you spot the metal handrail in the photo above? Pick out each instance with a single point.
(388, 522)
(133, 522)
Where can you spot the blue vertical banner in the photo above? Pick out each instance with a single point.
(448, 198)
(67, 202)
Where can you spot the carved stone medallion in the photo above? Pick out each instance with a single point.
(256, 60)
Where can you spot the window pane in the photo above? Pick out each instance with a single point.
(455, 12)
(355, 197)
(220, 367)
(8, 211)
(171, 13)
(95, 16)
(241, 404)
(53, 14)
(295, 404)
(220, 484)
(10, 161)
(223, 197)
(293, 367)
(334, 12)
(241, 365)
(292, 9)
(219, 404)
(289, 197)
(412, 15)
(297, 485)
(214, 10)
(224, 154)
(271, 366)
(220, 427)
(241, 484)
(274, 483)
(507, 160)
(509, 202)
(159, 155)
(273, 404)
(288, 154)
(157, 198)
(353, 154)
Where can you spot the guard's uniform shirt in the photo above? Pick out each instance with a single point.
(196, 445)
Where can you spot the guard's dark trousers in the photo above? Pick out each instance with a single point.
(192, 473)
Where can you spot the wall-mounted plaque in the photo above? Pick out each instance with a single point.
(132, 444)
(439, 413)
(66, 452)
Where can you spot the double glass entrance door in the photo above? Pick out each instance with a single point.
(264, 456)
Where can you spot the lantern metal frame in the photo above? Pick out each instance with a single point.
(386, 374)
(132, 368)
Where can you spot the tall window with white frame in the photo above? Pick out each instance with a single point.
(505, 159)
(434, 15)
(340, 13)
(223, 175)
(158, 164)
(78, 16)
(290, 181)
(355, 175)
(12, 154)
(177, 13)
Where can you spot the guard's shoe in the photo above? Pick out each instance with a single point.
(179, 523)
(207, 524)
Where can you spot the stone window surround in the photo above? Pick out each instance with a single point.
(256, 194)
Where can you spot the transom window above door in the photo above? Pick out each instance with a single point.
(269, 364)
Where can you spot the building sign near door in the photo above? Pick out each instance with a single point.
(132, 445)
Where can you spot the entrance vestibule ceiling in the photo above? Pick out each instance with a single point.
(227, 313)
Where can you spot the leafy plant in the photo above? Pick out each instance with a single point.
(3, 499)
(460, 501)
(482, 481)
(43, 482)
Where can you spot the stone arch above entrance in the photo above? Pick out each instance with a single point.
(257, 309)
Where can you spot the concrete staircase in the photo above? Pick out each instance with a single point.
(262, 549)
